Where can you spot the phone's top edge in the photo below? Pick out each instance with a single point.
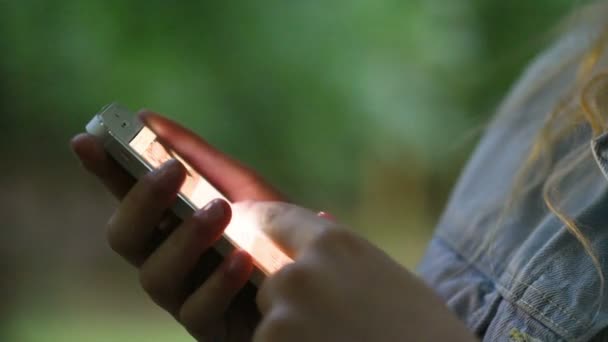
(116, 120)
(98, 125)
(113, 107)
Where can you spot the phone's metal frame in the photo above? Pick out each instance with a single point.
(115, 126)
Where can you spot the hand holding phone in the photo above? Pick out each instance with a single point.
(234, 180)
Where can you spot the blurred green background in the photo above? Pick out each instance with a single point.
(365, 109)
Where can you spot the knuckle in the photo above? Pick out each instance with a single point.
(153, 283)
(277, 326)
(331, 237)
(286, 285)
(198, 323)
(151, 186)
(293, 275)
(337, 241)
(115, 237)
(189, 317)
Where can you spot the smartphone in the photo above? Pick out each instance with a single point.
(136, 148)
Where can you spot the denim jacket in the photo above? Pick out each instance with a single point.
(522, 276)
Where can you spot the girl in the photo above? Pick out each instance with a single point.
(519, 254)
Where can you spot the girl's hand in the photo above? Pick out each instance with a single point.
(341, 287)
(167, 263)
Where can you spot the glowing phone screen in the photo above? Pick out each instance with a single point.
(243, 234)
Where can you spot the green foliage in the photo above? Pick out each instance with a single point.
(300, 90)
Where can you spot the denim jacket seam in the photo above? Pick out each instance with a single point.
(511, 278)
(564, 310)
(509, 296)
(533, 312)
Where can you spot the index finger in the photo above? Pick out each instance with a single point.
(291, 227)
(232, 178)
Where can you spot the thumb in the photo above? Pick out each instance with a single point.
(291, 227)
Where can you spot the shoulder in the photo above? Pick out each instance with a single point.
(525, 272)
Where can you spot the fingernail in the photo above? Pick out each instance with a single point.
(326, 216)
(214, 212)
(170, 173)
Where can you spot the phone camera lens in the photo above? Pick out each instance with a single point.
(124, 124)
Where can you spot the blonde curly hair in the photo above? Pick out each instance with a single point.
(581, 105)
